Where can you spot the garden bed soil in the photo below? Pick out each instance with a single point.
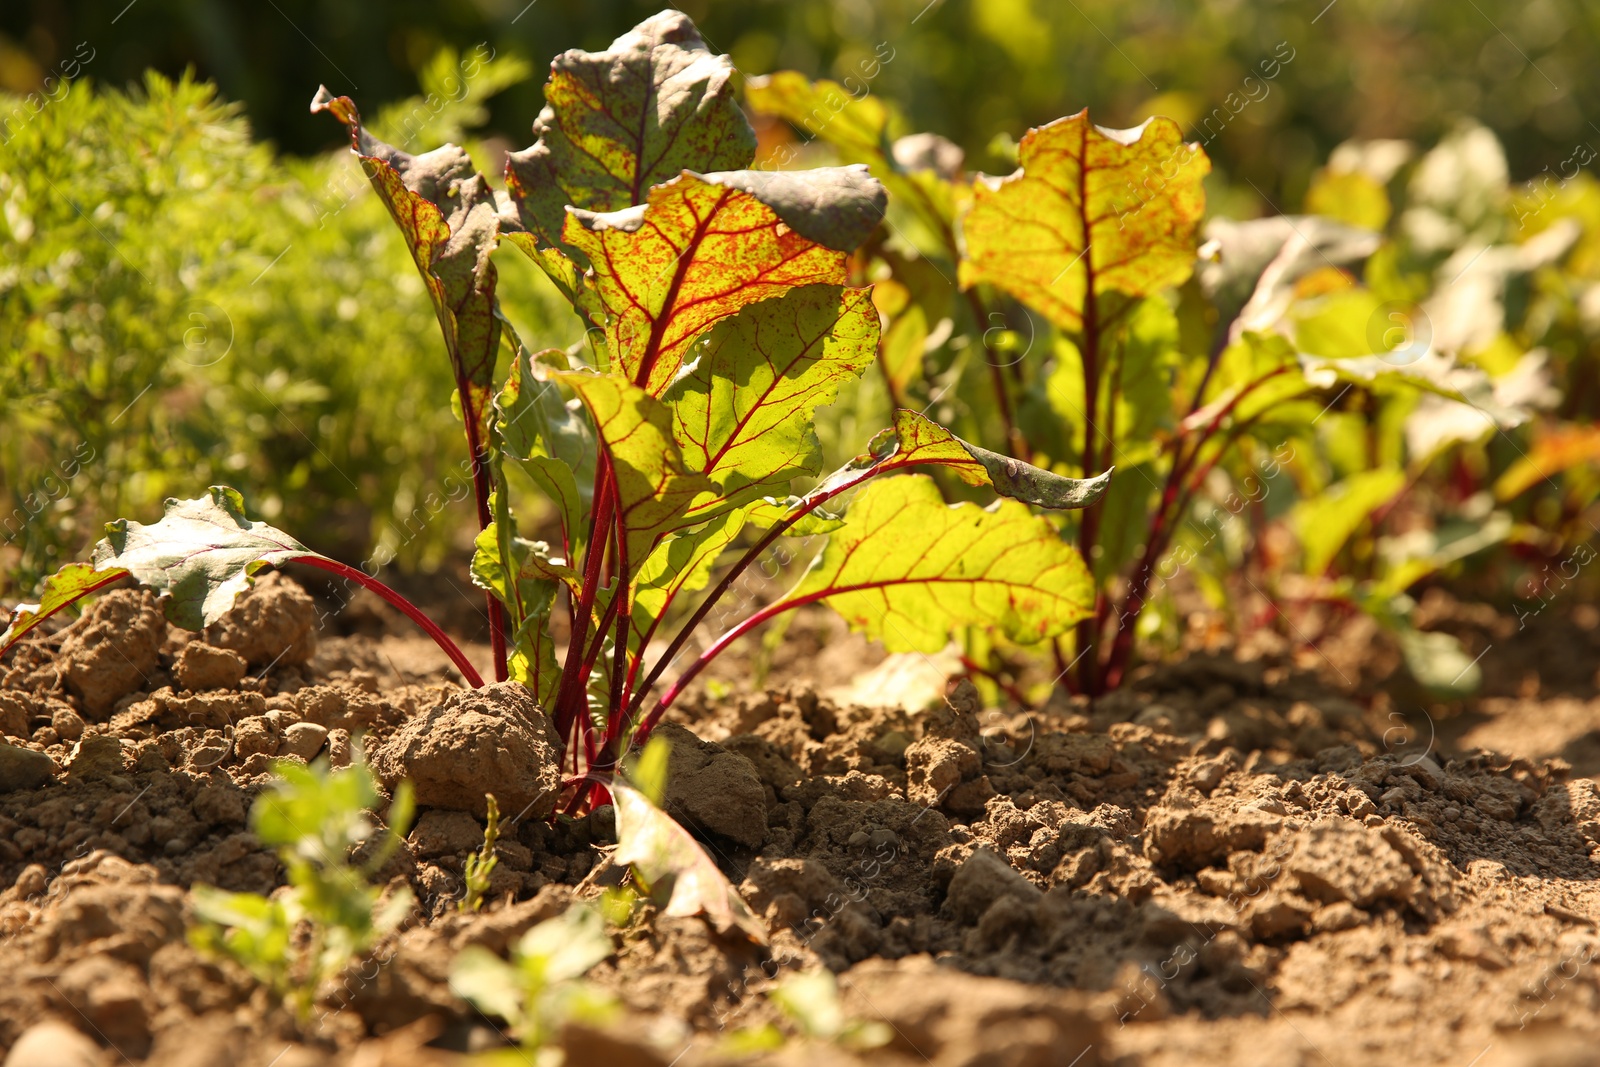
(1248, 856)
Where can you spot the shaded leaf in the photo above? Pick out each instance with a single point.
(837, 207)
(202, 554)
(447, 213)
(552, 442)
(742, 410)
(619, 122)
(1091, 209)
(908, 569)
(657, 847)
(527, 587)
(699, 251)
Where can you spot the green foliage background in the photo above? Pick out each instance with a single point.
(194, 291)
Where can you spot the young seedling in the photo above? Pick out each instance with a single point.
(294, 942)
(810, 1001)
(541, 988)
(480, 865)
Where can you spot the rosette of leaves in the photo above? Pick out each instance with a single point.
(720, 320)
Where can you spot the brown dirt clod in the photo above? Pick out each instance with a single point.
(490, 740)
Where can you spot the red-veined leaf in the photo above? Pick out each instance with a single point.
(908, 569)
(742, 409)
(654, 488)
(70, 583)
(1091, 209)
(705, 246)
(447, 213)
(618, 122)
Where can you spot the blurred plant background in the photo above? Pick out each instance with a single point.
(183, 256)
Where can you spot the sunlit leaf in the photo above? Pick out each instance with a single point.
(1350, 197)
(567, 946)
(907, 569)
(680, 564)
(488, 983)
(447, 214)
(902, 348)
(618, 122)
(1439, 662)
(68, 584)
(697, 252)
(742, 409)
(1090, 211)
(657, 847)
(860, 127)
(654, 487)
(1552, 453)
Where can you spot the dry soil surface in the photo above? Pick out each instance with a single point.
(1239, 859)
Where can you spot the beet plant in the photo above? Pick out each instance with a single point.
(1101, 331)
(720, 317)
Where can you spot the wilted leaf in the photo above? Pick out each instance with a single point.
(696, 253)
(907, 569)
(618, 122)
(742, 409)
(923, 441)
(68, 584)
(657, 847)
(1090, 209)
(447, 213)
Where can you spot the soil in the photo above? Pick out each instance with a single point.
(1262, 854)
